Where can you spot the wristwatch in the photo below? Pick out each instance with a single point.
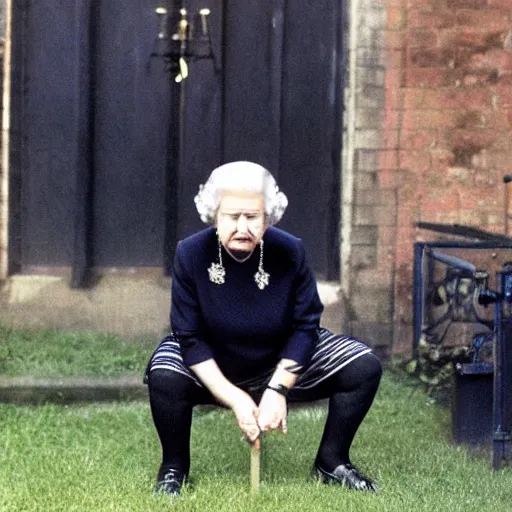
(279, 388)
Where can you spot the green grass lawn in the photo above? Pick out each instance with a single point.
(50, 354)
(104, 458)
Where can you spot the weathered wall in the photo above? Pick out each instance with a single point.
(3, 181)
(442, 147)
(368, 232)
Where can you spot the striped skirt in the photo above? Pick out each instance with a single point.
(332, 353)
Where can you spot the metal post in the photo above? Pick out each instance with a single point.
(418, 303)
(501, 437)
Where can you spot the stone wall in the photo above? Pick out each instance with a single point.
(3, 181)
(367, 247)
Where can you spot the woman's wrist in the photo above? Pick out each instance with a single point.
(279, 388)
(282, 377)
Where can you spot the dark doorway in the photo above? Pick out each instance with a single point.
(109, 151)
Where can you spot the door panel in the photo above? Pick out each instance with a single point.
(48, 181)
(131, 119)
(310, 127)
(248, 133)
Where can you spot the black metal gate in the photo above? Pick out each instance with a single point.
(111, 150)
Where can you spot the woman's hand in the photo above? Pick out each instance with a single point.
(272, 411)
(246, 413)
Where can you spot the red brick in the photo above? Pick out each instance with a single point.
(421, 38)
(415, 160)
(501, 161)
(499, 227)
(504, 95)
(489, 220)
(410, 195)
(448, 98)
(419, 119)
(485, 178)
(506, 78)
(441, 18)
(472, 139)
(491, 19)
(394, 178)
(406, 219)
(501, 142)
(387, 235)
(406, 233)
(477, 38)
(388, 159)
(395, 17)
(497, 59)
(469, 4)
(421, 5)
(480, 198)
(414, 99)
(424, 77)
(418, 139)
(475, 79)
(443, 216)
(392, 119)
(459, 175)
(393, 98)
(504, 4)
(390, 139)
(393, 79)
(441, 158)
(395, 59)
(394, 40)
(473, 118)
(387, 177)
(430, 57)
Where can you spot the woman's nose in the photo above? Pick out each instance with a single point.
(241, 225)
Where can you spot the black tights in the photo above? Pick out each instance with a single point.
(350, 391)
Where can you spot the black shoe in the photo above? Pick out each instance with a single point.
(169, 482)
(347, 475)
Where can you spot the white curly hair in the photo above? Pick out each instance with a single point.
(240, 177)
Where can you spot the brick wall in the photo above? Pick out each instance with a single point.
(442, 147)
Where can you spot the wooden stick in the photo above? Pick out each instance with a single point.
(255, 465)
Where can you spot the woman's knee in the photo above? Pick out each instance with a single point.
(373, 367)
(168, 381)
(365, 371)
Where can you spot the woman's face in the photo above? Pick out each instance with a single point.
(241, 221)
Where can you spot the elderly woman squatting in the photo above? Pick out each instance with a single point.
(245, 319)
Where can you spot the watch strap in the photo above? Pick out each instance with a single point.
(279, 388)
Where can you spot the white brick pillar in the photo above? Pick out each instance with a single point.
(5, 35)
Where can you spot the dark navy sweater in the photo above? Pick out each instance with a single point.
(244, 329)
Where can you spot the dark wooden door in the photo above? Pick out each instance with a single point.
(94, 112)
(275, 99)
(111, 151)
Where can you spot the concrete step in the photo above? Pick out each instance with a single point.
(28, 390)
